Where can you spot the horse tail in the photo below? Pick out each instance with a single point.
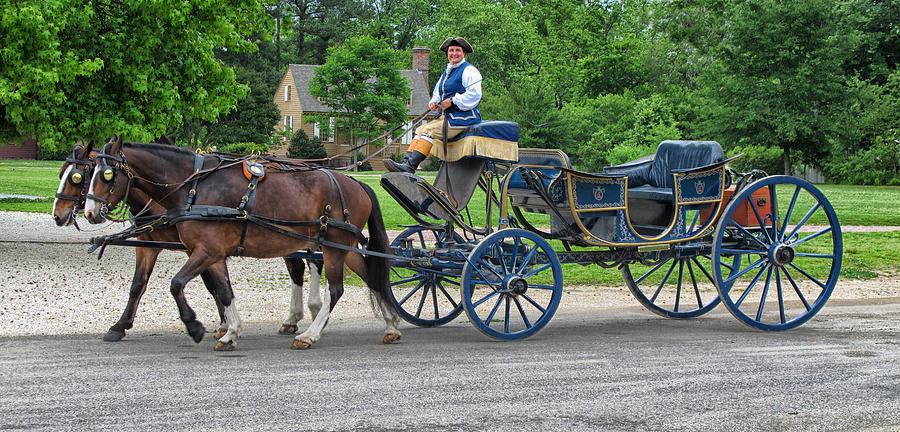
(377, 268)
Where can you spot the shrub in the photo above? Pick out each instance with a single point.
(366, 166)
(397, 157)
(244, 148)
(53, 154)
(765, 158)
(432, 164)
(302, 147)
(879, 165)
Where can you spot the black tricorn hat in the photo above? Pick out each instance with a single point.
(458, 41)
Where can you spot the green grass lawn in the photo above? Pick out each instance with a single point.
(866, 255)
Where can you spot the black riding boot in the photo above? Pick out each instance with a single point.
(411, 161)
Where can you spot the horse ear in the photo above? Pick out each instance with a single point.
(89, 147)
(115, 144)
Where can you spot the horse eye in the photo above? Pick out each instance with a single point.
(77, 178)
(108, 174)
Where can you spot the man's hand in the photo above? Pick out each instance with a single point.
(432, 106)
(446, 103)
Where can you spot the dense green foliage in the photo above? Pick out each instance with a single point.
(787, 83)
(302, 147)
(75, 69)
(362, 87)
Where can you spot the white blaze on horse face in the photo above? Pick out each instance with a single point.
(90, 206)
(62, 184)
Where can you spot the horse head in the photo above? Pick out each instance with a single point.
(109, 183)
(73, 180)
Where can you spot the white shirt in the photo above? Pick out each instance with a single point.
(471, 79)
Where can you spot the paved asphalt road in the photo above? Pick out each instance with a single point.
(590, 369)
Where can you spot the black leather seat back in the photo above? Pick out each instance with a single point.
(679, 155)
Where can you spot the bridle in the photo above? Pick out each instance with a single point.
(77, 178)
(109, 175)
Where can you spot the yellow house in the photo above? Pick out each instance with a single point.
(294, 101)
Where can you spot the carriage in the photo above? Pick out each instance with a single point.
(687, 232)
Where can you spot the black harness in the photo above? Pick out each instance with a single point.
(242, 213)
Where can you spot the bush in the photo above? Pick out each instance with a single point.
(432, 164)
(53, 154)
(302, 147)
(397, 157)
(244, 148)
(879, 165)
(366, 166)
(765, 158)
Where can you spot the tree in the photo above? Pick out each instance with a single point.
(362, 87)
(254, 115)
(302, 147)
(777, 78)
(71, 69)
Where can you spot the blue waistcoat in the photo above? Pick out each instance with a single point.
(451, 85)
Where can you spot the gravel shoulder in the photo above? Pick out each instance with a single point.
(49, 285)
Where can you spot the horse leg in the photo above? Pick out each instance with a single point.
(196, 263)
(380, 305)
(234, 326)
(334, 274)
(295, 268)
(145, 260)
(210, 282)
(315, 279)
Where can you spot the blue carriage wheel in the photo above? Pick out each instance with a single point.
(511, 284)
(672, 286)
(788, 241)
(424, 297)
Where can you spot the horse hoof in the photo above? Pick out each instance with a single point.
(287, 329)
(113, 336)
(196, 330)
(391, 338)
(300, 345)
(224, 346)
(221, 332)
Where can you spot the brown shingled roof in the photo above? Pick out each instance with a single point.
(302, 73)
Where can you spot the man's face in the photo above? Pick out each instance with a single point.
(455, 54)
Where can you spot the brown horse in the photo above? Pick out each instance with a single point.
(75, 175)
(291, 208)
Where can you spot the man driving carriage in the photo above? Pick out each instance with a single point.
(457, 94)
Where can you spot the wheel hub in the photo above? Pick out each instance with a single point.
(516, 285)
(782, 254)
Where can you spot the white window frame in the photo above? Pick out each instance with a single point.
(316, 133)
(331, 129)
(287, 93)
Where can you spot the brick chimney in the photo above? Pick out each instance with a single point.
(420, 60)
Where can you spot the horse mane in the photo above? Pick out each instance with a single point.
(156, 147)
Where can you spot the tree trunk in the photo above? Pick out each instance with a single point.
(353, 153)
(786, 157)
(278, 14)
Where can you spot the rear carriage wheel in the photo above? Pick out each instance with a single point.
(787, 239)
(511, 284)
(424, 297)
(676, 283)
